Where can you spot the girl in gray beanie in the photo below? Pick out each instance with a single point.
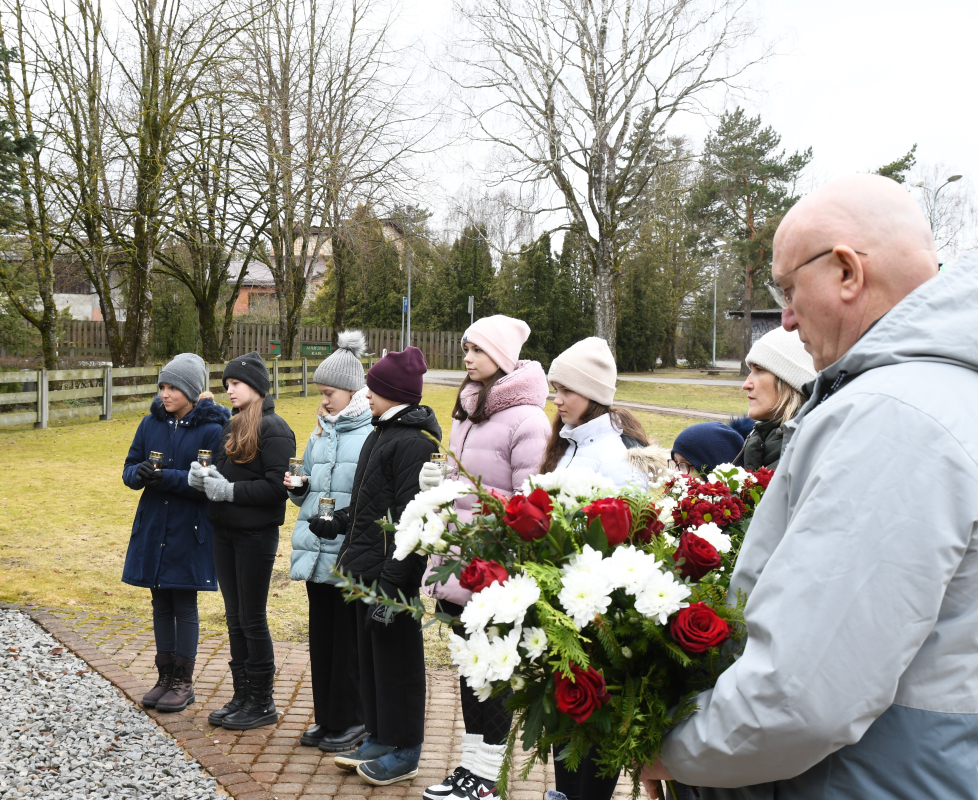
(344, 421)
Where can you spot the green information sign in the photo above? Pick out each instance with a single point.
(274, 347)
(315, 349)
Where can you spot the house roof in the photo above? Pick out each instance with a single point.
(260, 275)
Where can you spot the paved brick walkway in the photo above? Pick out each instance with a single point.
(267, 762)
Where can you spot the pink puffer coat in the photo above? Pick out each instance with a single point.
(502, 451)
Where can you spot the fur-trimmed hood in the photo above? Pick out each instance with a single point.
(652, 460)
(524, 386)
(205, 411)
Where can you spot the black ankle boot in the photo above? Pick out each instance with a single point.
(240, 678)
(164, 668)
(181, 693)
(259, 708)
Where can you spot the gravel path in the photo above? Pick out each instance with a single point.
(66, 732)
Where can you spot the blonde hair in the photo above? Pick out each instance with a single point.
(242, 443)
(790, 400)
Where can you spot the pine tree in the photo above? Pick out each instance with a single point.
(747, 186)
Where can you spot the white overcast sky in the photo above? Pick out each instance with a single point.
(860, 81)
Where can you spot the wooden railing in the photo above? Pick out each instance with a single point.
(441, 348)
(111, 390)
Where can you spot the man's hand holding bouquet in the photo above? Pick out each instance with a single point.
(603, 610)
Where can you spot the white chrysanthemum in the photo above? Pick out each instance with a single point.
(478, 611)
(510, 601)
(534, 642)
(504, 656)
(407, 539)
(660, 596)
(473, 657)
(628, 568)
(482, 693)
(589, 562)
(714, 535)
(584, 596)
(733, 477)
(572, 486)
(423, 521)
(666, 506)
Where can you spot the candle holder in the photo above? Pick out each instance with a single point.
(441, 459)
(326, 507)
(156, 459)
(295, 473)
(205, 458)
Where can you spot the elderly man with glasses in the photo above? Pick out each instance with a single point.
(859, 678)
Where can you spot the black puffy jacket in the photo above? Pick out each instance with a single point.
(386, 481)
(259, 490)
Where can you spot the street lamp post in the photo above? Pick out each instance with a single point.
(933, 199)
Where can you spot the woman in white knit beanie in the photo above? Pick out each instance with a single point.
(779, 368)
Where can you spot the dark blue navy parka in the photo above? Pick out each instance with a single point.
(171, 546)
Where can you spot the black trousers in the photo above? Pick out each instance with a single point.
(490, 719)
(392, 678)
(585, 784)
(333, 656)
(244, 561)
(176, 624)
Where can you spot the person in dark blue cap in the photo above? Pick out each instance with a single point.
(701, 447)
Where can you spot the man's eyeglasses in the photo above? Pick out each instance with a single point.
(783, 297)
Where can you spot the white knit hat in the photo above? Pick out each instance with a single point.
(588, 368)
(782, 353)
(343, 370)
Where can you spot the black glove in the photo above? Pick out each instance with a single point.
(148, 474)
(299, 491)
(326, 528)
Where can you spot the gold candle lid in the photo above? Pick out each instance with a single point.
(439, 457)
(327, 501)
(155, 454)
(295, 460)
(204, 453)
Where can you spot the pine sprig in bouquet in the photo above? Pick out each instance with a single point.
(600, 611)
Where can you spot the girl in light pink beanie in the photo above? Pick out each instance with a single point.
(500, 337)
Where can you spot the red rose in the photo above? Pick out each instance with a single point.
(653, 527)
(701, 556)
(615, 516)
(481, 573)
(698, 628)
(529, 515)
(581, 696)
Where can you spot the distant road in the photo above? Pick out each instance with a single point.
(442, 377)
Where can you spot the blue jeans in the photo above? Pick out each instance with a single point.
(176, 625)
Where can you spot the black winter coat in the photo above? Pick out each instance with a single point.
(763, 446)
(259, 491)
(386, 480)
(171, 546)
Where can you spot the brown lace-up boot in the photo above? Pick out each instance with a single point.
(181, 692)
(164, 665)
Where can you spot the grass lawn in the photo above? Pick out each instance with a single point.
(66, 516)
(677, 395)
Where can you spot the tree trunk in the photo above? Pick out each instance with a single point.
(748, 327)
(669, 348)
(605, 295)
(339, 277)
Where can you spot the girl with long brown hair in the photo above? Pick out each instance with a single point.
(247, 494)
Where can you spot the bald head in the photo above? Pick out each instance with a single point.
(881, 249)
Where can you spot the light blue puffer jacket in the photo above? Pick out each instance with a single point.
(330, 461)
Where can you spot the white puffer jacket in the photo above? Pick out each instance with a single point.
(597, 445)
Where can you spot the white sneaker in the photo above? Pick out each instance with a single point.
(446, 789)
(475, 788)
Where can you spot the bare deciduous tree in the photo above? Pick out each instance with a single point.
(331, 91)
(949, 207)
(559, 84)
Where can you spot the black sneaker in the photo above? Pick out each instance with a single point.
(475, 788)
(445, 789)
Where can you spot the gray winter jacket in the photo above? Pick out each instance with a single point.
(859, 678)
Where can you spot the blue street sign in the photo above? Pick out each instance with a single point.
(404, 305)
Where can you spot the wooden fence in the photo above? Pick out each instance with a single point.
(40, 396)
(441, 348)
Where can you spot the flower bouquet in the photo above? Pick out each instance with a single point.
(600, 611)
